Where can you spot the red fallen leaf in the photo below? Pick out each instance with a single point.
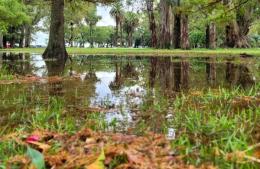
(32, 138)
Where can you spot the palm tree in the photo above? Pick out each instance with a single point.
(131, 21)
(118, 14)
(92, 20)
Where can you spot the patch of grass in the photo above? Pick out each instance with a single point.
(145, 51)
(210, 124)
(5, 74)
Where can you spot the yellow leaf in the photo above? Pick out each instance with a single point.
(99, 163)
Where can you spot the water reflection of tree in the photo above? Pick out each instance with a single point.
(123, 74)
(118, 81)
(55, 68)
(166, 77)
(211, 70)
(171, 75)
(239, 74)
(18, 63)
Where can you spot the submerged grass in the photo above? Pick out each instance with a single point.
(144, 51)
(5, 74)
(212, 126)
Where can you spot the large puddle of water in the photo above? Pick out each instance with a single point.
(118, 86)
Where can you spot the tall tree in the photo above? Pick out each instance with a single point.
(56, 45)
(118, 14)
(131, 21)
(152, 22)
(92, 20)
(165, 34)
(13, 14)
(244, 12)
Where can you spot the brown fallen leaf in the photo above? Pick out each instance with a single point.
(99, 163)
(42, 146)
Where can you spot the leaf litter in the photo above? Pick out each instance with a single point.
(95, 150)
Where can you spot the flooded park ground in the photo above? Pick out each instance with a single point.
(205, 109)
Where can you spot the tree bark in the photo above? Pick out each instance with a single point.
(71, 34)
(152, 23)
(121, 34)
(28, 32)
(211, 36)
(56, 45)
(238, 29)
(177, 31)
(185, 43)
(21, 41)
(130, 39)
(116, 33)
(165, 34)
(1, 40)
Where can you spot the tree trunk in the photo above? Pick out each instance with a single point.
(56, 46)
(28, 32)
(185, 44)
(165, 34)
(1, 40)
(177, 31)
(21, 42)
(238, 29)
(130, 39)
(211, 36)
(116, 34)
(152, 23)
(121, 34)
(71, 34)
(236, 36)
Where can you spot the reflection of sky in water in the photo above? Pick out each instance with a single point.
(120, 101)
(38, 64)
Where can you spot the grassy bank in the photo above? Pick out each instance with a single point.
(148, 51)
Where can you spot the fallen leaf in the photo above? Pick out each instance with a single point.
(36, 157)
(99, 163)
(42, 146)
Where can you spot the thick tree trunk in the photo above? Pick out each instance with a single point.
(165, 34)
(177, 31)
(236, 36)
(211, 36)
(28, 34)
(238, 29)
(21, 42)
(152, 23)
(185, 43)
(56, 46)
(1, 40)
(121, 34)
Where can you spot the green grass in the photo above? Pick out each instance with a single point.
(5, 74)
(210, 124)
(146, 51)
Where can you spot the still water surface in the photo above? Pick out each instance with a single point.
(118, 86)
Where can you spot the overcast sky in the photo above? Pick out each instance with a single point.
(41, 38)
